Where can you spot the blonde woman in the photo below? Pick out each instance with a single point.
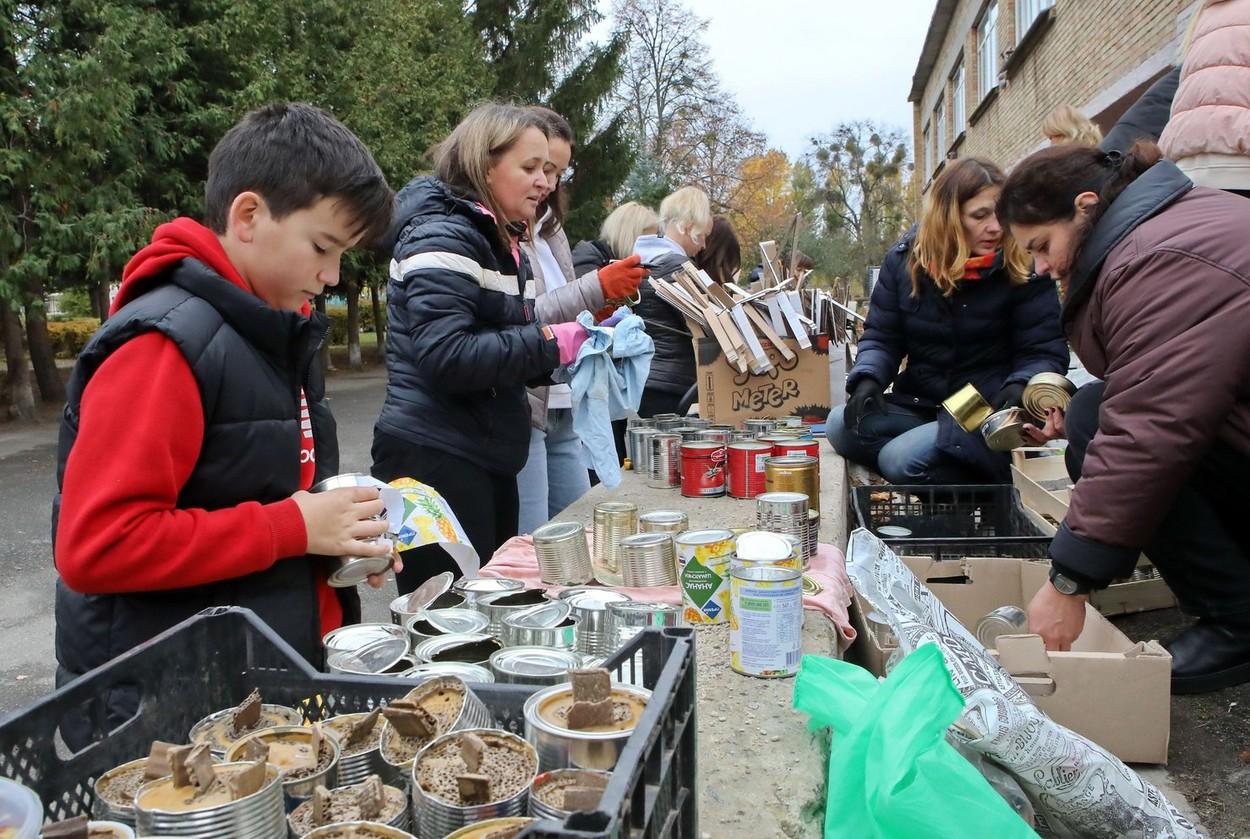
(1208, 135)
(1065, 124)
(955, 301)
(616, 239)
(463, 340)
(684, 224)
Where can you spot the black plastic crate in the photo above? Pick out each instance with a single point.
(213, 660)
(951, 521)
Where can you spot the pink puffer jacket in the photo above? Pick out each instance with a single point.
(1209, 133)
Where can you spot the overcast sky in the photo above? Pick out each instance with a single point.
(799, 67)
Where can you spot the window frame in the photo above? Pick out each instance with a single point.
(987, 60)
(1033, 9)
(959, 98)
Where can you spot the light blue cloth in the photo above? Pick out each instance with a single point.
(607, 378)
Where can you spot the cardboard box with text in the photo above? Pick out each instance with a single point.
(791, 388)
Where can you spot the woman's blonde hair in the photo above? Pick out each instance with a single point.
(464, 158)
(1073, 126)
(686, 209)
(941, 248)
(625, 224)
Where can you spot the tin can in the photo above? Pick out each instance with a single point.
(746, 468)
(613, 521)
(766, 623)
(724, 436)
(665, 461)
(689, 433)
(968, 408)
(759, 547)
(759, 425)
(669, 423)
(794, 473)
(647, 560)
(702, 470)
(663, 521)
(639, 448)
(1005, 620)
(781, 448)
(703, 561)
(563, 555)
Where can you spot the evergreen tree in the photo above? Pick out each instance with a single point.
(536, 55)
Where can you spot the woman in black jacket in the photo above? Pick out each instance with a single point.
(462, 341)
(955, 301)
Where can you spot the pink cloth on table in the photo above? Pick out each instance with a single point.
(516, 560)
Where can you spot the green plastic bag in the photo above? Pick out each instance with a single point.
(891, 772)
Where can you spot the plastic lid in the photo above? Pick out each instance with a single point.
(20, 810)
(763, 546)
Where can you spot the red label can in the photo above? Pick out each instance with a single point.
(746, 468)
(782, 448)
(702, 469)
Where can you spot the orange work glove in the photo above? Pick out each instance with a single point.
(620, 280)
(605, 313)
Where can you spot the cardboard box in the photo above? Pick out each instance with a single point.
(799, 387)
(1107, 688)
(1041, 479)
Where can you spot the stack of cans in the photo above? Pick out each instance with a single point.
(613, 521)
(786, 513)
(648, 559)
(563, 556)
(665, 465)
(794, 473)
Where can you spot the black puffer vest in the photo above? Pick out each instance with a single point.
(249, 361)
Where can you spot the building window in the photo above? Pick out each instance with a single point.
(987, 52)
(928, 154)
(959, 99)
(1028, 11)
(939, 130)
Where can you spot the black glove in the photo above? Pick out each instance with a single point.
(1008, 397)
(867, 398)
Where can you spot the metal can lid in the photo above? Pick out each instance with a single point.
(426, 650)
(703, 537)
(534, 661)
(646, 539)
(357, 569)
(781, 497)
(792, 461)
(456, 621)
(358, 635)
(893, 531)
(1005, 620)
(347, 479)
(592, 599)
(663, 516)
(425, 594)
(487, 585)
(702, 447)
(377, 657)
(750, 446)
(543, 616)
(615, 507)
(558, 531)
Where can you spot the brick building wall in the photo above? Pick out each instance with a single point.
(1096, 55)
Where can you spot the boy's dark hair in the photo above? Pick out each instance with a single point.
(293, 155)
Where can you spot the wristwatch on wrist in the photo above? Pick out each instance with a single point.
(1065, 584)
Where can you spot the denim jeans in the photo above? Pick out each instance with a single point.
(555, 475)
(900, 445)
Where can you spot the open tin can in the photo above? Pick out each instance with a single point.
(546, 793)
(533, 665)
(436, 815)
(295, 789)
(560, 747)
(260, 815)
(358, 830)
(474, 590)
(546, 625)
(469, 649)
(968, 408)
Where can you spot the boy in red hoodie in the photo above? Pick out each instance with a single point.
(196, 418)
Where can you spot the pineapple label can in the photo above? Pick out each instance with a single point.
(704, 558)
(766, 621)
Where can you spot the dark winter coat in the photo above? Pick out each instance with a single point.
(249, 361)
(989, 333)
(672, 368)
(1157, 306)
(1146, 118)
(590, 255)
(463, 340)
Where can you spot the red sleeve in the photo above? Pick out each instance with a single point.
(140, 430)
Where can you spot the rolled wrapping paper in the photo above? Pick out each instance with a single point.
(420, 516)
